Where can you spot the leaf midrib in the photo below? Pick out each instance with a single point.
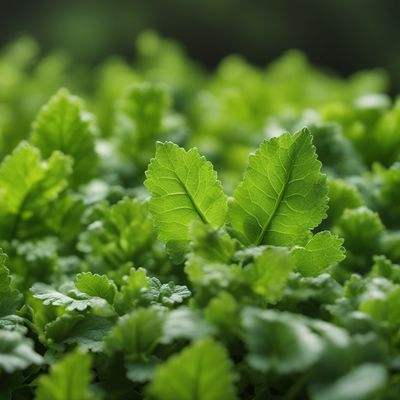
(277, 204)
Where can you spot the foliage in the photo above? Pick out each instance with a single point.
(256, 255)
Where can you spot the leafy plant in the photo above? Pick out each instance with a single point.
(255, 256)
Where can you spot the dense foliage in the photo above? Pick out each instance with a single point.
(255, 264)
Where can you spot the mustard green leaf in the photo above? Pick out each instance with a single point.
(283, 194)
(184, 189)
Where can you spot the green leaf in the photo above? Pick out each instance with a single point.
(186, 324)
(16, 352)
(87, 331)
(210, 244)
(80, 301)
(202, 371)
(136, 334)
(279, 341)
(97, 286)
(362, 383)
(10, 298)
(29, 186)
(113, 234)
(68, 379)
(342, 195)
(269, 273)
(283, 195)
(63, 125)
(361, 229)
(184, 189)
(322, 251)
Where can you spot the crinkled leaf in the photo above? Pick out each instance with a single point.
(29, 185)
(97, 286)
(63, 125)
(51, 296)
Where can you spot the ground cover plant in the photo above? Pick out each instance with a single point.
(172, 234)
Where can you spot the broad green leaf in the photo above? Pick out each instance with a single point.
(279, 341)
(269, 273)
(184, 189)
(87, 331)
(364, 382)
(202, 371)
(322, 251)
(29, 185)
(68, 379)
(16, 352)
(136, 334)
(283, 195)
(97, 286)
(185, 324)
(63, 125)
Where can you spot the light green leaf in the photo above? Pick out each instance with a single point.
(68, 379)
(184, 189)
(202, 371)
(283, 194)
(113, 234)
(361, 383)
(279, 341)
(51, 296)
(186, 324)
(269, 273)
(16, 352)
(28, 185)
(97, 286)
(136, 334)
(322, 251)
(63, 125)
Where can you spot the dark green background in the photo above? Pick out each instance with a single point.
(343, 35)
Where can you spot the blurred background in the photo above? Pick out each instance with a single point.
(343, 36)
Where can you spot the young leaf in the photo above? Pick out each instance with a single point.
(16, 352)
(96, 285)
(136, 334)
(28, 185)
(322, 251)
(68, 379)
(63, 125)
(270, 271)
(202, 371)
(283, 194)
(184, 189)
